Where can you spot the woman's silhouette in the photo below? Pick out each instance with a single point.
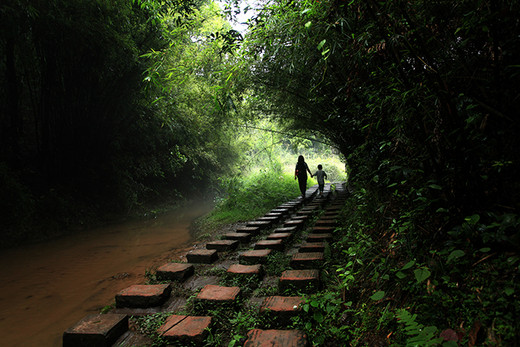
(300, 173)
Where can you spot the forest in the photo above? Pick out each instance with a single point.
(113, 108)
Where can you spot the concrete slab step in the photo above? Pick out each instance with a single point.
(275, 245)
(143, 295)
(96, 330)
(223, 245)
(281, 307)
(174, 271)
(240, 237)
(257, 256)
(277, 216)
(304, 280)
(307, 260)
(276, 338)
(187, 330)
(202, 256)
(282, 211)
(218, 294)
(312, 247)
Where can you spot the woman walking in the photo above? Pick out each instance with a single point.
(300, 173)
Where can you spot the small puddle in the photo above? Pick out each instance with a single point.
(46, 288)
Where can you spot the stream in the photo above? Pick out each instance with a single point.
(46, 288)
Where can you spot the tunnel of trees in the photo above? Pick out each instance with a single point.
(108, 106)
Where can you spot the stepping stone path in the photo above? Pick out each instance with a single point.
(288, 230)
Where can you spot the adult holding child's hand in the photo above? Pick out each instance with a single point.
(300, 173)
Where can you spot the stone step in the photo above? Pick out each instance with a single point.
(281, 307)
(187, 330)
(319, 237)
(304, 280)
(257, 256)
(294, 223)
(143, 295)
(96, 330)
(322, 229)
(272, 219)
(285, 237)
(254, 230)
(249, 270)
(276, 338)
(275, 245)
(304, 218)
(222, 245)
(202, 256)
(312, 247)
(331, 214)
(307, 260)
(218, 294)
(174, 271)
(240, 237)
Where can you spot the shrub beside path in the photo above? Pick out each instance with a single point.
(266, 266)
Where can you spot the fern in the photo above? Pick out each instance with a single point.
(419, 335)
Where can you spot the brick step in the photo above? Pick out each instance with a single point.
(218, 294)
(248, 270)
(281, 307)
(275, 245)
(326, 223)
(319, 237)
(322, 229)
(304, 280)
(285, 237)
(174, 271)
(240, 237)
(307, 260)
(187, 330)
(294, 223)
(291, 229)
(202, 256)
(276, 338)
(96, 330)
(223, 245)
(260, 224)
(257, 256)
(282, 211)
(253, 230)
(143, 295)
(312, 247)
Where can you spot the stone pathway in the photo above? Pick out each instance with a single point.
(292, 229)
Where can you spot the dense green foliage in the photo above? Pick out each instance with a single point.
(85, 130)
(420, 98)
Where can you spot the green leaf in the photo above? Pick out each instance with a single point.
(509, 291)
(408, 265)
(485, 249)
(435, 186)
(318, 317)
(378, 295)
(321, 44)
(455, 255)
(400, 275)
(308, 24)
(472, 219)
(421, 274)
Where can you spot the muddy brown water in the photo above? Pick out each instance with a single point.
(48, 287)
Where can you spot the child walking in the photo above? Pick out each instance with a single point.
(320, 176)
